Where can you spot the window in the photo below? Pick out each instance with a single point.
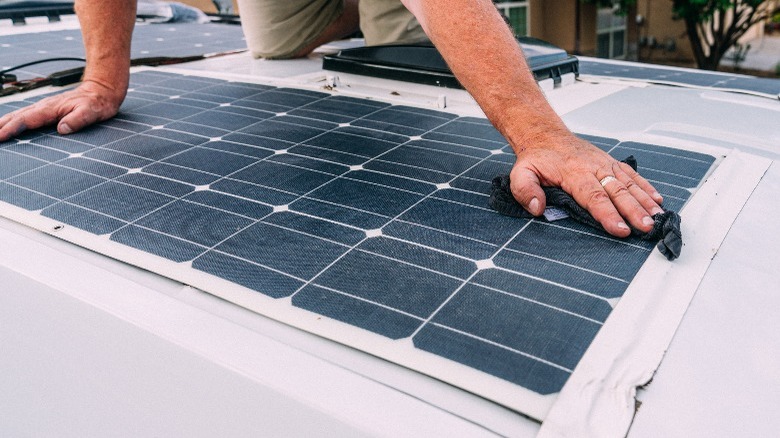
(516, 13)
(611, 35)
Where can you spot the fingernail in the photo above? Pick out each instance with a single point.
(533, 206)
(65, 129)
(622, 226)
(656, 195)
(647, 220)
(657, 210)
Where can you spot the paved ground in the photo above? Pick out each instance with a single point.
(764, 54)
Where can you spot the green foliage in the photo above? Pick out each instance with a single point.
(704, 10)
(714, 26)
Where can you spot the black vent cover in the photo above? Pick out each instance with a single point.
(421, 63)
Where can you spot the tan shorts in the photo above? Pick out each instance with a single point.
(279, 28)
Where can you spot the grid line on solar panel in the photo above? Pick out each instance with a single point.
(559, 262)
(326, 217)
(502, 346)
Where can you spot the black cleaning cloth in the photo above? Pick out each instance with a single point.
(666, 229)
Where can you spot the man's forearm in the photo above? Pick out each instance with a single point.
(107, 27)
(485, 57)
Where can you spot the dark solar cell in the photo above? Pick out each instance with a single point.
(152, 148)
(194, 223)
(211, 161)
(404, 120)
(156, 184)
(221, 120)
(560, 273)
(337, 213)
(254, 192)
(56, 181)
(14, 164)
(371, 198)
(406, 288)
(283, 177)
(363, 314)
(230, 204)
(63, 144)
(158, 244)
(367, 224)
(300, 255)
(83, 218)
(419, 256)
(271, 283)
(510, 365)
(31, 150)
(237, 148)
(317, 227)
(120, 201)
(93, 167)
(200, 130)
(178, 173)
(24, 198)
(282, 131)
(512, 322)
(168, 110)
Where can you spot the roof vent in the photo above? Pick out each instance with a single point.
(421, 63)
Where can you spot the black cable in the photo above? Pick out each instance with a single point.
(66, 77)
(40, 61)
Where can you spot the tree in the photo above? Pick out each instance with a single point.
(714, 26)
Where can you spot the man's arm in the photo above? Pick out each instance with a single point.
(485, 57)
(107, 27)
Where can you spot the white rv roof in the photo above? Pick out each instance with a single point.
(98, 345)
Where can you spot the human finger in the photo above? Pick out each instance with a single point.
(83, 113)
(644, 199)
(589, 193)
(31, 117)
(642, 183)
(527, 190)
(11, 126)
(626, 204)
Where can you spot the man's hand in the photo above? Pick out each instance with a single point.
(89, 103)
(580, 168)
(107, 28)
(485, 57)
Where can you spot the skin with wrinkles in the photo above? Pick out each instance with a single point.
(482, 53)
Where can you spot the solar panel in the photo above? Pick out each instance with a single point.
(766, 86)
(370, 216)
(151, 40)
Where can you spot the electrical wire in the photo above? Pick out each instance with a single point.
(40, 61)
(67, 77)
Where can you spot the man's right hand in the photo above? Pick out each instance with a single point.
(89, 103)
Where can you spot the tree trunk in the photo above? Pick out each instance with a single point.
(724, 35)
